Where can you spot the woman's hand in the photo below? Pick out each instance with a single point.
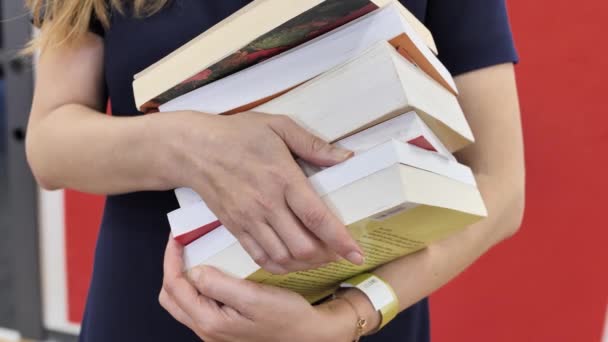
(221, 308)
(243, 167)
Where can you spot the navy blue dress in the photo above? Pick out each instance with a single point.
(123, 297)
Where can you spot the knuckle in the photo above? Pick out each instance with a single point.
(305, 252)
(265, 203)
(317, 144)
(162, 299)
(282, 125)
(278, 175)
(170, 287)
(237, 216)
(313, 217)
(261, 259)
(281, 257)
(283, 119)
(205, 287)
(277, 269)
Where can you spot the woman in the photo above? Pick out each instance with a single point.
(91, 50)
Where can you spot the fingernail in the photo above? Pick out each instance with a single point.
(355, 258)
(340, 153)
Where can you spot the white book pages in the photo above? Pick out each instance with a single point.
(406, 127)
(207, 246)
(338, 102)
(186, 196)
(189, 217)
(381, 157)
(313, 58)
(233, 259)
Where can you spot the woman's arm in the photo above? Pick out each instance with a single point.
(490, 102)
(72, 143)
(255, 312)
(284, 226)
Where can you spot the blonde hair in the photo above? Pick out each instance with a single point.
(66, 21)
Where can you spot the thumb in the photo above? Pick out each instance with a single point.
(306, 145)
(217, 285)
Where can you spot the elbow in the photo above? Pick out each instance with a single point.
(37, 165)
(516, 214)
(45, 183)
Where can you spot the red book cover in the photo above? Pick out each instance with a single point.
(422, 142)
(193, 235)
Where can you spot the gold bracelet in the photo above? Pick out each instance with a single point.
(361, 322)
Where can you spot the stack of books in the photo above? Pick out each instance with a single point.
(362, 74)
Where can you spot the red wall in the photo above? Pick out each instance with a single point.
(82, 220)
(550, 282)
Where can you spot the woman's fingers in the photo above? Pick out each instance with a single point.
(255, 251)
(306, 145)
(258, 254)
(268, 239)
(239, 294)
(302, 244)
(174, 310)
(271, 266)
(286, 221)
(316, 217)
(177, 286)
(281, 261)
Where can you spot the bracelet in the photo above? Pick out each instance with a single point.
(380, 294)
(361, 322)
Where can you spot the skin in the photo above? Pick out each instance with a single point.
(65, 115)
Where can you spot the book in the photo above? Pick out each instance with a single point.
(390, 213)
(273, 77)
(194, 219)
(406, 127)
(186, 196)
(259, 30)
(373, 87)
(189, 223)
